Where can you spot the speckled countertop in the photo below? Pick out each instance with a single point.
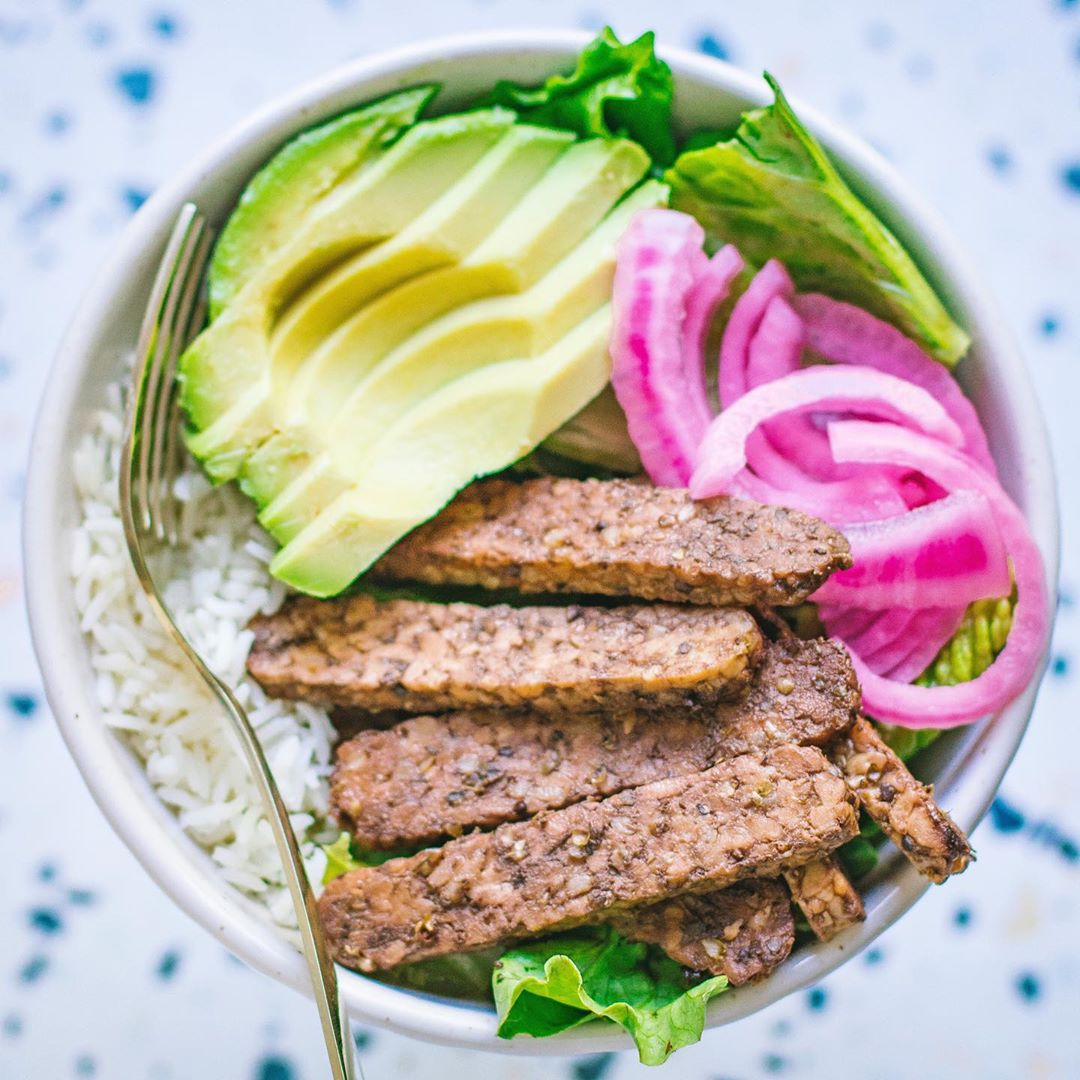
(978, 104)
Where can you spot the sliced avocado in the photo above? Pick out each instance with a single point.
(226, 372)
(472, 427)
(488, 331)
(295, 178)
(333, 362)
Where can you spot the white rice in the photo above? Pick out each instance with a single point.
(216, 582)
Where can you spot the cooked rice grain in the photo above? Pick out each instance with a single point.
(155, 704)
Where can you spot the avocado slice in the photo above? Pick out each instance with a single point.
(334, 360)
(551, 222)
(295, 178)
(225, 374)
(488, 331)
(477, 423)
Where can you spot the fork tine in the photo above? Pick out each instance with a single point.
(144, 351)
(187, 283)
(173, 456)
(156, 354)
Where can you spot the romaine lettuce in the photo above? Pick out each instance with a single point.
(615, 89)
(773, 192)
(548, 986)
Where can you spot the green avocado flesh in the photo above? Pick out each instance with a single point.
(295, 178)
(438, 310)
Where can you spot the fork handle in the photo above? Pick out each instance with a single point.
(324, 973)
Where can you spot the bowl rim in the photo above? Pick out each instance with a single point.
(108, 768)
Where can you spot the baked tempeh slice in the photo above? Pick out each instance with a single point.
(619, 538)
(825, 896)
(431, 777)
(744, 931)
(421, 657)
(904, 808)
(753, 816)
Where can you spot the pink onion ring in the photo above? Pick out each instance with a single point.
(722, 454)
(849, 335)
(657, 261)
(949, 706)
(946, 554)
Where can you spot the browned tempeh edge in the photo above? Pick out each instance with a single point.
(753, 816)
(743, 932)
(619, 538)
(826, 896)
(903, 807)
(431, 777)
(421, 657)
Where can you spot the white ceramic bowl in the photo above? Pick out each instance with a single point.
(966, 767)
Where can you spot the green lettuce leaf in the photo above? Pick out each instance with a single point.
(342, 856)
(615, 89)
(973, 647)
(549, 986)
(773, 192)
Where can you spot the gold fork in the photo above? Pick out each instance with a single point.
(150, 513)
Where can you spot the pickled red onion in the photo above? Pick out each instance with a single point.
(659, 257)
(849, 335)
(949, 706)
(707, 293)
(929, 633)
(722, 453)
(945, 554)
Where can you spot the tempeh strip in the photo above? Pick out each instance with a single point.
(825, 896)
(744, 931)
(619, 538)
(420, 657)
(904, 808)
(753, 816)
(432, 777)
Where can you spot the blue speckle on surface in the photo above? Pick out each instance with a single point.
(773, 1063)
(45, 205)
(874, 956)
(137, 84)
(594, 1067)
(133, 197)
(46, 872)
(85, 1065)
(33, 969)
(1059, 666)
(81, 897)
(1049, 325)
(361, 1038)
(920, 67)
(962, 917)
(12, 1026)
(46, 920)
(817, 997)
(58, 122)
(1028, 986)
(1070, 177)
(23, 705)
(168, 965)
(275, 1068)
(999, 159)
(711, 45)
(1005, 817)
(880, 35)
(166, 25)
(98, 35)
